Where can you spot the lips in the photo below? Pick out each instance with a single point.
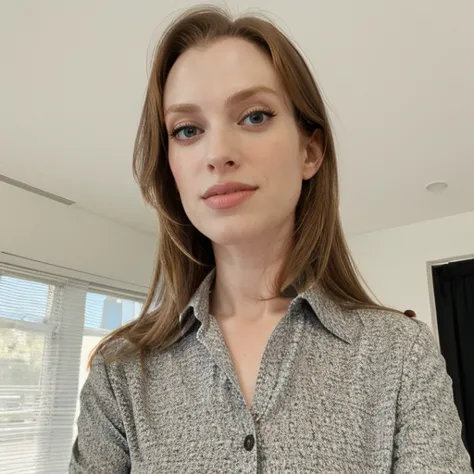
(227, 188)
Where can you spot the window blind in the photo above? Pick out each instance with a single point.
(48, 325)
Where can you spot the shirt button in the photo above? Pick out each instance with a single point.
(249, 442)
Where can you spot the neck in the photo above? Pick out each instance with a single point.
(245, 277)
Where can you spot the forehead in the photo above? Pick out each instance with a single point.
(213, 73)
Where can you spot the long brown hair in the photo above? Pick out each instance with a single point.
(184, 255)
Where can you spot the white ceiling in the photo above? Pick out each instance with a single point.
(398, 77)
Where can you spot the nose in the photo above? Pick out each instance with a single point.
(222, 152)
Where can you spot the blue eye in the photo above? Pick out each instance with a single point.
(188, 132)
(259, 117)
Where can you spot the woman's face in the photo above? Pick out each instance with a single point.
(225, 135)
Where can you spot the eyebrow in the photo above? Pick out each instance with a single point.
(239, 96)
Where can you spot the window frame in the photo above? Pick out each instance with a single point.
(67, 351)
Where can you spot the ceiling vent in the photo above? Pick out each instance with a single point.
(32, 189)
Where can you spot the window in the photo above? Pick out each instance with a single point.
(48, 327)
(109, 312)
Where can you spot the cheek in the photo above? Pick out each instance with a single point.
(186, 183)
(174, 169)
(280, 158)
(180, 174)
(283, 171)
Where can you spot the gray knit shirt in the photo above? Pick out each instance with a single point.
(338, 391)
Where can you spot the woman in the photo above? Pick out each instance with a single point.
(264, 354)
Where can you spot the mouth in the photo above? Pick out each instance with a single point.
(229, 199)
(227, 188)
(231, 191)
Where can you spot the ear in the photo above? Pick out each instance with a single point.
(313, 154)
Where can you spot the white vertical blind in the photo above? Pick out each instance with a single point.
(44, 320)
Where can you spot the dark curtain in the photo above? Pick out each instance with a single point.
(454, 298)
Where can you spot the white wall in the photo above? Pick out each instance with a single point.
(394, 261)
(40, 229)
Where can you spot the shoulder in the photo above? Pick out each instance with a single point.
(396, 351)
(112, 363)
(123, 366)
(396, 333)
(379, 323)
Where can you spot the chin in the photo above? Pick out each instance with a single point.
(231, 233)
(230, 238)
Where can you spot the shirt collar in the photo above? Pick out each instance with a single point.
(199, 302)
(344, 323)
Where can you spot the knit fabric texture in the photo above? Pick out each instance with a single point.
(338, 391)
